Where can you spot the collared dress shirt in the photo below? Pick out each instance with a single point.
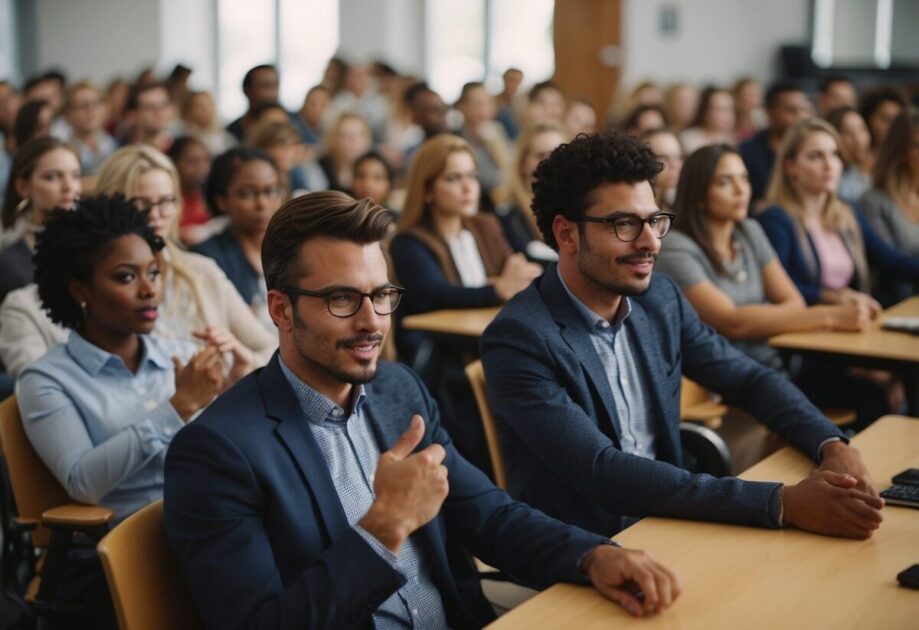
(101, 429)
(612, 342)
(351, 454)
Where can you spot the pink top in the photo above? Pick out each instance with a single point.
(836, 264)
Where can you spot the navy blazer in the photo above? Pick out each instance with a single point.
(263, 541)
(881, 256)
(225, 250)
(559, 429)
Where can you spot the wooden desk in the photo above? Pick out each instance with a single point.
(738, 577)
(468, 322)
(872, 343)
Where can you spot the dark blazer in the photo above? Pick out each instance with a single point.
(224, 249)
(423, 265)
(803, 264)
(262, 539)
(16, 268)
(560, 432)
(759, 158)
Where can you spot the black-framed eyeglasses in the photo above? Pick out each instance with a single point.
(147, 205)
(345, 302)
(628, 227)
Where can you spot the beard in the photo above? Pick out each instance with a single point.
(608, 274)
(323, 353)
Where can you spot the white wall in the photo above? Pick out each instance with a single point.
(716, 40)
(391, 30)
(97, 39)
(188, 36)
(9, 59)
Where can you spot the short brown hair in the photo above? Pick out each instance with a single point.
(328, 213)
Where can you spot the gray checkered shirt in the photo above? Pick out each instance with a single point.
(613, 346)
(351, 454)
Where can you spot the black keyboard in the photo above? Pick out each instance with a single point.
(902, 494)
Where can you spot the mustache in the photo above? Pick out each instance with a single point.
(359, 340)
(637, 256)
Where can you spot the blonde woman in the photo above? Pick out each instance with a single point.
(533, 146)
(448, 255)
(199, 302)
(824, 245)
(348, 138)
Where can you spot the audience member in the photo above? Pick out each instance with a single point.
(359, 96)
(680, 104)
(786, 104)
(101, 409)
(33, 120)
(192, 162)
(891, 207)
(714, 122)
(45, 175)
(518, 221)
(581, 118)
(199, 120)
(855, 150)
(84, 112)
(314, 106)
(644, 118)
(506, 102)
(824, 245)
(260, 85)
(149, 115)
(879, 107)
(348, 138)
(545, 104)
(729, 273)
(669, 151)
(428, 111)
(244, 185)
(487, 139)
(748, 107)
(314, 511)
(116, 100)
(199, 302)
(584, 366)
(835, 91)
(46, 87)
(283, 144)
(334, 75)
(373, 178)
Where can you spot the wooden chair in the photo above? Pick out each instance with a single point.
(146, 585)
(476, 376)
(44, 509)
(697, 405)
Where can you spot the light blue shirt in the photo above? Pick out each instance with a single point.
(101, 429)
(351, 454)
(612, 342)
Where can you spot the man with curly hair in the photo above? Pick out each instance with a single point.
(584, 368)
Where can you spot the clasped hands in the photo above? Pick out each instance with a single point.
(410, 489)
(838, 499)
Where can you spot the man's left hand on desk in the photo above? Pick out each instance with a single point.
(842, 458)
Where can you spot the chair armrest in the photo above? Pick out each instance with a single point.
(23, 523)
(77, 516)
(708, 412)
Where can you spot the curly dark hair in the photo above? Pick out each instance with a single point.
(566, 180)
(74, 241)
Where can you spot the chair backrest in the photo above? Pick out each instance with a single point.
(476, 376)
(704, 451)
(34, 487)
(145, 581)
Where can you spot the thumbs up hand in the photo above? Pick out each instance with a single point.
(409, 487)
